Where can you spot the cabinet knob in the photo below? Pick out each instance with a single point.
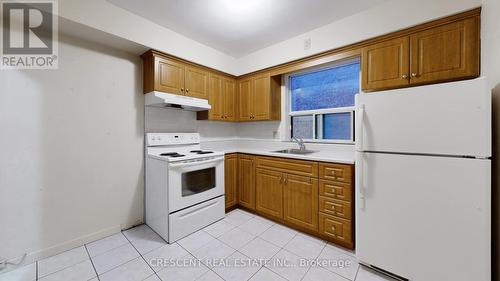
(187, 90)
(413, 74)
(182, 89)
(405, 76)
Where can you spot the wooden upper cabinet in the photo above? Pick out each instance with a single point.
(216, 97)
(447, 52)
(386, 64)
(231, 179)
(259, 97)
(196, 82)
(262, 97)
(246, 99)
(269, 192)
(438, 53)
(301, 201)
(222, 98)
(246, 172)
(168, 76)
(230, 99)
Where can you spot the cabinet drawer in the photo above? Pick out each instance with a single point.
(336, 172)
(335, 207)
(337, 229)
(290, 166)
(335, 189)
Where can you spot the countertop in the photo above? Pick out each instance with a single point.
(337, 153)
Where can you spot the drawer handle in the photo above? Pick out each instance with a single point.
(333, 228)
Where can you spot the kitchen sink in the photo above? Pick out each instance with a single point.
(295, 151)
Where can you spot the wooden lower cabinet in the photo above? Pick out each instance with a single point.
(269, 192)
(336, 229)
(301, 201)
(231, 180)
(246, 186)
(310, 196)
(335, 207)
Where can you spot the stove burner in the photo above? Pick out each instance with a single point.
(169, 154)
(201, 152)
(172, 154)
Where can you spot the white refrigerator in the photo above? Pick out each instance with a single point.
(423, 181)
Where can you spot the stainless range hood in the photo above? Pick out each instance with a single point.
(166, 100)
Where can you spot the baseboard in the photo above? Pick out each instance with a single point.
(65, 246)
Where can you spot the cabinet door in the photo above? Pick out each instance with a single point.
(269, 192)
(336, 229)
(196, 82)
(216, 97)
(262, 97)
(246, 100)
(386, 64)
(301, 201)
(229, 99)
(169, 76)
(246, 191)
(231, 179)
(444, 53)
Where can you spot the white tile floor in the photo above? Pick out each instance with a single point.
(232, 249)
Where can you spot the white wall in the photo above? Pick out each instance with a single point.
(104, 16)
(384, 18)
(389, 16)
(71, 146)
(163, 120)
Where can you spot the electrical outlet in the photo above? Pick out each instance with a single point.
(307, 44)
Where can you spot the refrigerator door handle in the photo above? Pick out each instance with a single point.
(360, 116)
(360, 173)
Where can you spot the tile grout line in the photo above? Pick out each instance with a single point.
(357, 272)
(142, 257)
(280, 249)
(59, 270)
(91, 261)
(189, 253)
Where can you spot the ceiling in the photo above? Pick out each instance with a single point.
(240, 27)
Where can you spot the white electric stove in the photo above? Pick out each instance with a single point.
(184, 184)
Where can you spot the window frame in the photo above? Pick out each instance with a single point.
(288, 102)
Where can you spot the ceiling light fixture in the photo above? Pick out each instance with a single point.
(241, 6)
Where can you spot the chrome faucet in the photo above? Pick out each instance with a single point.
(300, 142)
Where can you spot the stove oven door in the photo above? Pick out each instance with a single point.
(195, 181)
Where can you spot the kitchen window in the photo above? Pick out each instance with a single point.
(321, 102)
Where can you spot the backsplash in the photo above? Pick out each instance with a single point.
(174, 120)
(259, 130)
(165, 120)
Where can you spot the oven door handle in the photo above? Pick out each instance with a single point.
(195, 163)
